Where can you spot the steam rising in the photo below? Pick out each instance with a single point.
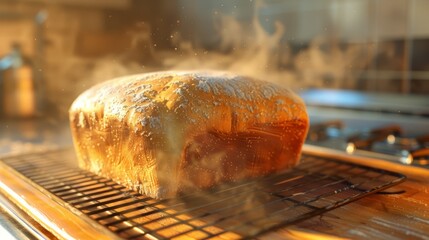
(253, 52)
(245, 50)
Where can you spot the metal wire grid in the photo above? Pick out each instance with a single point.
(239, 210)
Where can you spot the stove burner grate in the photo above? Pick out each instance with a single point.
(386, 142)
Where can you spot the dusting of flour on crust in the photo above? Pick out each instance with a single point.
(146, 96)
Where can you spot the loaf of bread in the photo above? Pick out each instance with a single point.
(168, 132)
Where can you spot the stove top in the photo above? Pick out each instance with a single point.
(387, 142)
(347, 121)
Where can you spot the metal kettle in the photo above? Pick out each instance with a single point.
(17, 86)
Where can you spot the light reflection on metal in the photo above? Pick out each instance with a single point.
(350, 148)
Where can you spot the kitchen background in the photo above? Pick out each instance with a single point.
(362, 64)
(53, 50)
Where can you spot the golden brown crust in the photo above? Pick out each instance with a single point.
(163, 131)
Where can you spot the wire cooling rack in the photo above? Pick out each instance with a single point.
(232, 211)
